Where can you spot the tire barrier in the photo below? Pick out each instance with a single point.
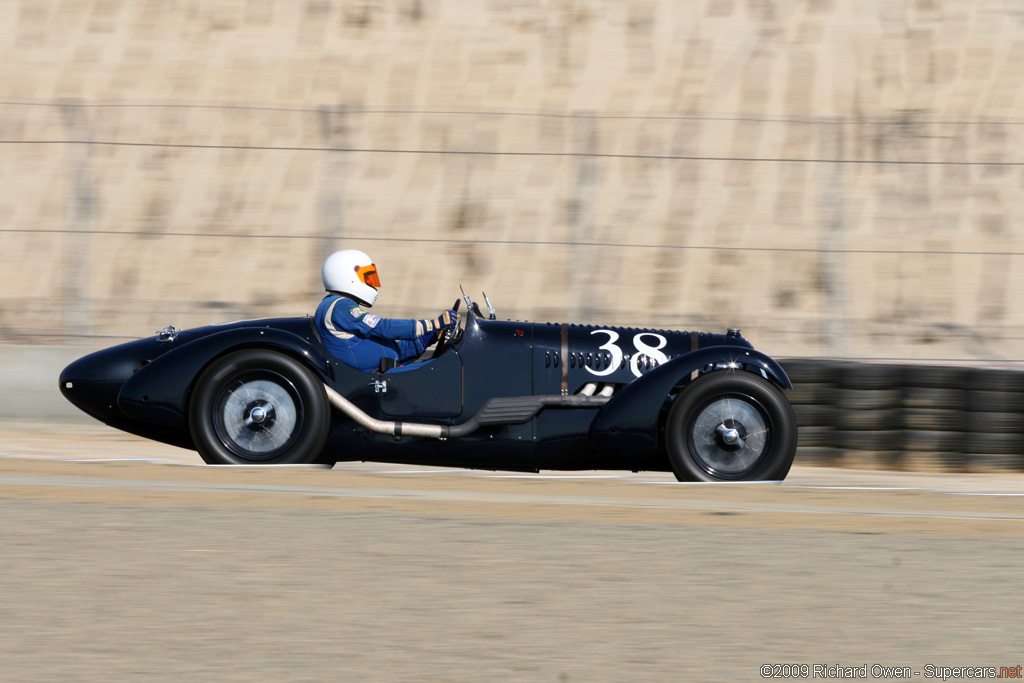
(812, 397)
(907, 417)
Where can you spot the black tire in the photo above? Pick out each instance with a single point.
(870, 376)
(812, 394)
(822, 457)
(817, 436)
(868, 420)
(872, 460)
(868, 399)
(934, 461)
(933, 420)
(868, 440)
(730, 426)
(993, 444)
(936, 376)
(995, 401)
(814, 416)
(933, 399)
(811, 370)
(1000, 423)
(933, 442)
(985, 379)
(989, 462)
(282, 418)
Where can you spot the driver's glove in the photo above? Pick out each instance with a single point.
(446, 320)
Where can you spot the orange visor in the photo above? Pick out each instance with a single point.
(368, 274)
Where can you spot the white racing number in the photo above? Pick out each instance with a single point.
(652, 352)
(611, 348)
(643, 349)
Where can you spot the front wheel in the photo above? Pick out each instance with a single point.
(257, 407)
(731, 425)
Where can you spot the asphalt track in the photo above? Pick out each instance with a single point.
(119, 561)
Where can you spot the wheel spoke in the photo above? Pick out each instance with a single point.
(257, 414)
(730, 436)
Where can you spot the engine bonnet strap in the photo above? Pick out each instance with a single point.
(565, 359)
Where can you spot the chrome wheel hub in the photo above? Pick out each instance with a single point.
(259, 413)
(729, 436)
(257, 416)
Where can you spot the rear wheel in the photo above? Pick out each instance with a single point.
(257, 407)
(731, 426)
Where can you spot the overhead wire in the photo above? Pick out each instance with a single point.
(466, 152)
(536, 113)
(577, 115)
(545, 243)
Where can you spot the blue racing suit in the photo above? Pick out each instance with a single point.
(361, 339)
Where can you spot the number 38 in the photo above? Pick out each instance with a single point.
(642, 348)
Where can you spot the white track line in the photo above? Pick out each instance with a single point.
(508, 498)
(489, 474)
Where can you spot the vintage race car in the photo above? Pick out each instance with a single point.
(494, 394)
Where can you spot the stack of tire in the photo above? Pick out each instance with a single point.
(912, 417)
(812, 397)
(934, 418)
(994, 420)
(869, 415)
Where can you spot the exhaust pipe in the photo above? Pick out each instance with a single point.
(346, 406)
(496, 411)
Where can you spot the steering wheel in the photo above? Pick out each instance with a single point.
(449, 336)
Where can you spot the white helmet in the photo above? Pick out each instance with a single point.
(351, 272)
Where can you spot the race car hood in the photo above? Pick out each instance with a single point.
(571, 356)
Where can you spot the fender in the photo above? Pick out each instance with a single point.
(158, 393)
(631, 421)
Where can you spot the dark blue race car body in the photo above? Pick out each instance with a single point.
(499, 395)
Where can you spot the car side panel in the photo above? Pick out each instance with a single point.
(496, 360)
(158, 393)
(431, 389)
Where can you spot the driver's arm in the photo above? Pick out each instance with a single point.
(368, 325)
(411, 349)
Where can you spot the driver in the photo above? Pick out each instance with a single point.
(361, 339)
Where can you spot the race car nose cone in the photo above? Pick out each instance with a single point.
(92, 382)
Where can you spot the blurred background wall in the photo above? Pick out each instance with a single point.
(838, 178)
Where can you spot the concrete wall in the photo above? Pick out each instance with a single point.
(699, 164)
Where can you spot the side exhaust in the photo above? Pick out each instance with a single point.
(496, 411)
